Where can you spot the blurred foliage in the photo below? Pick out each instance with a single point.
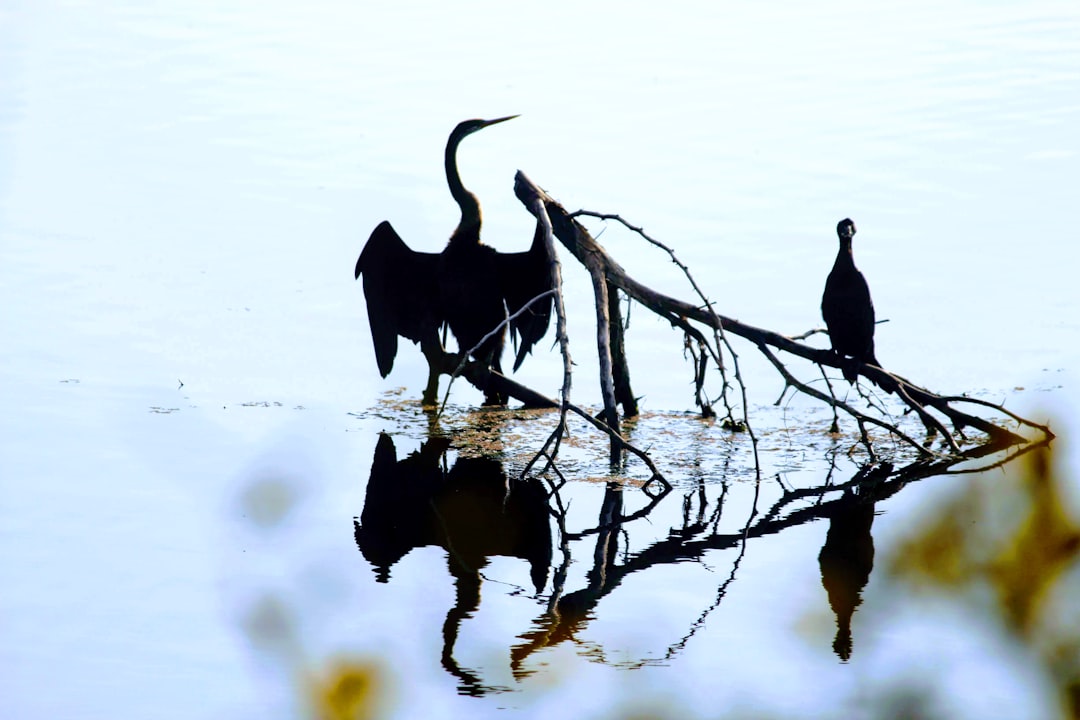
(350, 691)
(1017, 537)
(348, 688)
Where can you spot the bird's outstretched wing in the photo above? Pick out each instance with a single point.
(523, 276)
(401, 289)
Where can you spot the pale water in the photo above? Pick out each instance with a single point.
(191, 404)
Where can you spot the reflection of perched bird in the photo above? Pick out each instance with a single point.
(847, 308)
(472, 510)
(846, 560)
(468, 286)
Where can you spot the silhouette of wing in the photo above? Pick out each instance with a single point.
(848, 312)
(866, 321)
(523, 276)
(401, 289)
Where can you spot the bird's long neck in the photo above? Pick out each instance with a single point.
(844, 256)
(469, 227)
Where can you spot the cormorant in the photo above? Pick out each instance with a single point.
(469, 286)
(847, 308)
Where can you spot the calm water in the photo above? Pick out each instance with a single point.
(192, 409)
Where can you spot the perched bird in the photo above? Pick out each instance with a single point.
(847, 308)
(401, 287)
(469, 287)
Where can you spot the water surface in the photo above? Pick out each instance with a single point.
(192, 402)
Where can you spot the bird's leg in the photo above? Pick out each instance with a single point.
(431, 392)
(492, 396)
(435, 355)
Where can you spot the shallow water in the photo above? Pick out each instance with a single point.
(192, 402)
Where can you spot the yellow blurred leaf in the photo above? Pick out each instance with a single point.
(940, 553)
(350, 692)
(1017, 537)
(1046, 544)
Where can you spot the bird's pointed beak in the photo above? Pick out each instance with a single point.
(488, 123)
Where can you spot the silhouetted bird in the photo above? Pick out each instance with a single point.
(468, 286)
(847, 308)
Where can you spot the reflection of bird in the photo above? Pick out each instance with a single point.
(573, 611)
(394, 519)
(847, 308)
(846, 560)
(468, 286)
(472, 510)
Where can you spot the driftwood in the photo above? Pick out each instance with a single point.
(707, 339)
(690, 317)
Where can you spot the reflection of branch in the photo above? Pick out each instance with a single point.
(915, 471)
(620, 520)
(572, 611)
(559, 579)
(721, 591)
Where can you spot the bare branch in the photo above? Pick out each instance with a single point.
(576, 239)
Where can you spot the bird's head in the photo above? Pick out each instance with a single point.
(470, 206)
(468, 127)
(845, 229)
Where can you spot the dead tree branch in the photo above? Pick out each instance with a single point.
(920, 400)
(603, 346)
(611, 424)
(714, 351)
